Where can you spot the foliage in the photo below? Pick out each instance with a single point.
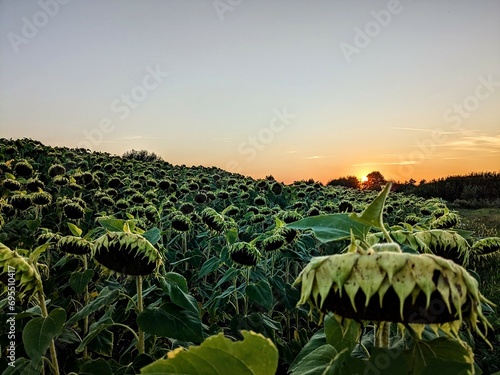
(121, 260)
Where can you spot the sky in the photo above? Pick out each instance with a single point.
(293, 89)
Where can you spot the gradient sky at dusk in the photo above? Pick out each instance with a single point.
(293, 89)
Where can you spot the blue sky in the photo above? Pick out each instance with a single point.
(296, 89)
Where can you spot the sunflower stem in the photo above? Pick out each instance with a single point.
(236, 296)
(382, 330)
(86, 301)
(247, 281)
(45, 314)
(140, 309)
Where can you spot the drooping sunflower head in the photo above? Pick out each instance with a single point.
(412, 219)
(213, 220)
(127, 253)
(11, 184)
(20, 202)
(16, 267)
(181, 223)
(41, 198)
(445, 221)
(274, 242)
(23, 169)
(379, 285)
(290, 234)
(290, 216)
(447, 244)
(486, 247)
(74, 245)
(244, 253)
(73, 211)
(56, 170)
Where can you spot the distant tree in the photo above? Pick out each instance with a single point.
(374, 181)
(142, 155)
(348, 181)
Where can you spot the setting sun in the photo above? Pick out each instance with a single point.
(364, 179)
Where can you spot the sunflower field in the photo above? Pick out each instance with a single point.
(132, 265)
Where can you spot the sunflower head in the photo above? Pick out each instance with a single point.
(181, 223)
(127, 253)
(445, 221)
(274, 242)
(41, 198)
(20, 202)
(213, 219)
(16, 267)
(379, 285)
(74, 245)
(244, 253)
(73, 211)
(11, 184)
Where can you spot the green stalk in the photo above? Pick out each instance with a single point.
(140, 309)
(236, 296)
(86, 301)
(52, 348)
(382, 330)
(247, 281)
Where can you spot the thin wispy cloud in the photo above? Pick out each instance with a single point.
(319, 157)
(471, 141)
(427, 130)
(406, 162)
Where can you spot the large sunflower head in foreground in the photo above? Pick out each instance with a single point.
(381, 285)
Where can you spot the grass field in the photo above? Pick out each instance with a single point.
(485, 222)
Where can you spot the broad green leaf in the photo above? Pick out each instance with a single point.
(332, 227)
(102, 343)
(255, 355)
(153, 235)
(79, 280)
(105, 298)
(228, 276)
(372, 215)
(286, 294)
(175, 285)
(443, 355)
(33, 224)
(341, 336)
(319, 361)
(22, 366)
(231, 235)
(35, 254)
(95, 328)
(39, 332)
(75, 230)
(113, 225)
(257, 322)
(260, 293)
(178, 279)
(317, 340)
(209, 266)
(169, 321)
(96, 367)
